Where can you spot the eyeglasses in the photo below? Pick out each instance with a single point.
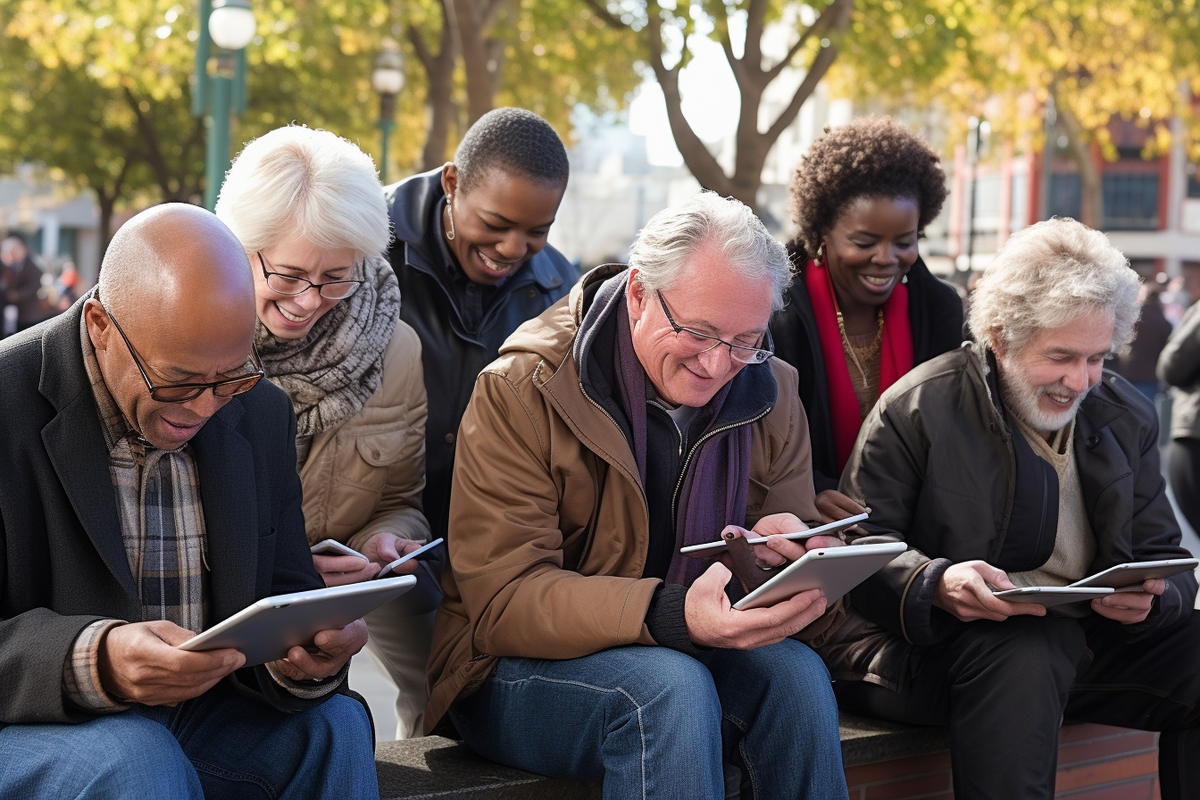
(182, 392)
(292, 285)
(697, 343)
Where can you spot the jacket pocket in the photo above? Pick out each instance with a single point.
(381, 449)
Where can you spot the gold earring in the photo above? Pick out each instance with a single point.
(450, 214)
(821, 252)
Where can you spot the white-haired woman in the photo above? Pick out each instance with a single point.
(308, 208)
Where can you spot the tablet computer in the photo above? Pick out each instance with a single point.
(834, 570)
(1130, 576)
(1052, 595)
(266, 630)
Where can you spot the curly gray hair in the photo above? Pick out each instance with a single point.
(1047, 276)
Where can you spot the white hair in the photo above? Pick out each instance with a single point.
(673, 235)
(1049, 275)
(297, 181)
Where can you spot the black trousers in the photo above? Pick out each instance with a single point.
(1004, 688)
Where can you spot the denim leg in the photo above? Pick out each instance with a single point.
(245, 749)
(781, 721)
(646, 719)
(113, 757)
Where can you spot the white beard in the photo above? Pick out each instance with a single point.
(1022, 397)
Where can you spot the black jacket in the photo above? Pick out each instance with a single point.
(62, 560)
(935, 313)
(451, 356)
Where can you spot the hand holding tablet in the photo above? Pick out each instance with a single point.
(1127, 577)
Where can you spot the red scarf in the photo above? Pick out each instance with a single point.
(895, 360)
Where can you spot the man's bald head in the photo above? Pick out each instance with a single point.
(175, 306)
(179, 265)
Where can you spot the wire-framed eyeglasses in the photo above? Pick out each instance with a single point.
(292, 285)
(183, 392)
(696, 342)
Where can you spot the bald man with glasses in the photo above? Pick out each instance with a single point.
(150, 491)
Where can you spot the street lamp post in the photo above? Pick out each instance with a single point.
(230, 26)
(976, 141)
(387, 78)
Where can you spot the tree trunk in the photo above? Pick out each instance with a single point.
(439, 77)
(1091, 206)
(482, 56)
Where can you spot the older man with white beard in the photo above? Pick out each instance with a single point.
(1017, 461)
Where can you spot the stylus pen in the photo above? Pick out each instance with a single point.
(828, 527)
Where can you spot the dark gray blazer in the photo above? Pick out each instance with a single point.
(62, 561)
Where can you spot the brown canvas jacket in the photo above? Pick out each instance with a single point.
(549, 527)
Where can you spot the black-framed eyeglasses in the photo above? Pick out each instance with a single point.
(696, 342)
(292, 285)
(182, 392)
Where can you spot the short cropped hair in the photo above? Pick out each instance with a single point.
(1047, 276)
(874, 157)
(674, 235)
(515, 140)
(312, 183)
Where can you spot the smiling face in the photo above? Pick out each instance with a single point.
(1045, 381)
(872, 245)
(709, 297)
(292, 316)
(499, 223)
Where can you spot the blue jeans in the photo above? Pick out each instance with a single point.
(219, 745)
(655, 723)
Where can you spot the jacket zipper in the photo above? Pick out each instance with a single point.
(591, 533)
(692, 451)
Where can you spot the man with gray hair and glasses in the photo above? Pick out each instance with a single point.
(1017, 461)
(640, 414)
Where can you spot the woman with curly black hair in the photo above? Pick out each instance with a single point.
(863, 309)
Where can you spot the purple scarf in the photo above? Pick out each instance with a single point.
(717, 475)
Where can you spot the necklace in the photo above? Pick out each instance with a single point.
(853, 351)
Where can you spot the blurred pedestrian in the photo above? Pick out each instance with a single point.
(1179, 368)
(21, 282)
(1137, 364)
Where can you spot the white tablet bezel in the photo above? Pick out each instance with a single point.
(266, 630)
(1131, 575)
(834, 570)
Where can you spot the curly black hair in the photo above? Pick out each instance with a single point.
(516, 140)
(867, 157)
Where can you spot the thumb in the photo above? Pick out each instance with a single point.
(995, 576)
(713, 580)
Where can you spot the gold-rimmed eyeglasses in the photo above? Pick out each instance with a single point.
(696, 342)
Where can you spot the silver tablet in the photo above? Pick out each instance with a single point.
(1052, 595)
(1131, 575)
(266, 630)
(834, 570)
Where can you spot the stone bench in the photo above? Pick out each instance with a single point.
(882, 759)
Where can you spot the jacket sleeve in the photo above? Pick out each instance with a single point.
(887, 468)
(1179, 361)
(399, 509)
(505, 545)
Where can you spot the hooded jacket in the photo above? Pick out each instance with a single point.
(937, 461)
(550, 525)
